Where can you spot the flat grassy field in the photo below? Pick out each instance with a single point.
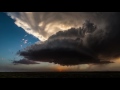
(59, 74)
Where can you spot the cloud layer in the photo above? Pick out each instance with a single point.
(44, 24)
(24, 61)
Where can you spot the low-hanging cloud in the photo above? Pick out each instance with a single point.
(73, 54)
(25, 61)
(44, 24)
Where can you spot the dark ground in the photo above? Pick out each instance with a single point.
(59, 74)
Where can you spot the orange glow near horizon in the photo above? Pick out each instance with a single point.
(117, 60)
(73, 68)
(60, 68)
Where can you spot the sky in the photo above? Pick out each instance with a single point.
(59, 41)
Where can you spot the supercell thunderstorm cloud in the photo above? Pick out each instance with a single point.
(70, 38)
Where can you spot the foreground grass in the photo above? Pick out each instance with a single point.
(59, 74)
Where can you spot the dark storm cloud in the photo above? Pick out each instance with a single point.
(96, 43)
(63, 56)
(106, 41)
(24, 61)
